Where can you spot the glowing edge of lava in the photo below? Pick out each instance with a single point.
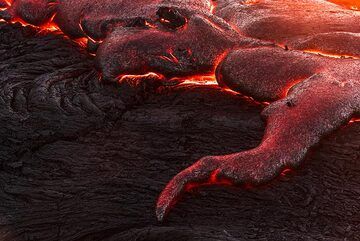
(204, 80)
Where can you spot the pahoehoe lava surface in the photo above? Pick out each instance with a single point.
(82, 160)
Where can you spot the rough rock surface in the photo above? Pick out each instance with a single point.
(82, 160)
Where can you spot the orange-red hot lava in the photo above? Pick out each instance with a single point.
(349, 4)
(356, 119)
(49, 26)
(212, 6)
(211, 77)
(330, 55)
(200, 79)
(8, 2)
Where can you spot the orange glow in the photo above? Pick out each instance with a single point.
(219, 59)
(249, 98)
(197, 80)
(82, 30)
(163, 20)
(121, 78)
(8, 3)
(210, 80)
(330, 55)
(171, 57)
(251, 2)
(149, 25)
(349, 4)
(292, 84)
(212, 6)
(49, 26)
(205, 79)
(356, 119)
(82, 42)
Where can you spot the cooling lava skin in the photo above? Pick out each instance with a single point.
(302, 56)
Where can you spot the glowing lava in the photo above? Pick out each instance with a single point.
(330, 55)
(210, 42)
(198, 80)
(353, 120)
(349, 4)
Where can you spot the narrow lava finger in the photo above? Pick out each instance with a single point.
(200, 171)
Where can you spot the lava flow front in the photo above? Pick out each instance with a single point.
(299, 56)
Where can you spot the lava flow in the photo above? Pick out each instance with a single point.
(311, 85)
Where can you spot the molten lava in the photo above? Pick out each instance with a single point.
(353, 120)
(311, 85)
(349, 4)
(330, 55)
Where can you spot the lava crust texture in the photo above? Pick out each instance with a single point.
(302, 56)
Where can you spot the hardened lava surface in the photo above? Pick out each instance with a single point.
(290, 55)
(85, 161)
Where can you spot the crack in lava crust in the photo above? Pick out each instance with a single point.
(301, 57)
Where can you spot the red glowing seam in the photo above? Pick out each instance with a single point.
(163, 20)
(171, 57)
(285, 172)
(291, 85)
(87, 36)
(322, 53)
(251, 2)
(49, 26)
(149, 24)
(353, 120)
(8, 3)
(197, 80)
(212, 180)
(212, 6)
(330, 55)
(82, 41)
(250, 98)
(210, 80)
(201, 79)
(121, 78)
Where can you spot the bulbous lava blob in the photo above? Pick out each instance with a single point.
(172, 53)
